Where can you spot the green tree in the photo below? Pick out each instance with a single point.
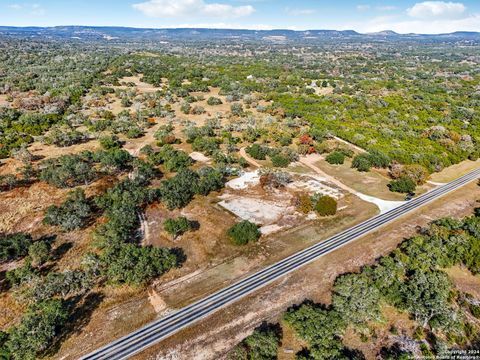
(38, 328)
(325, 205)
(206, 145)
(114, 160)
(39, 252)
(73, 214)
(356, 298)
(210, 180)
(402, 185)
(426, 295)
(319, 326)
(335, 158)
(134, 265)
(68, 171)
(178, 191)
(362, 163)
(243, 233)
(263, 344)
(14, 246)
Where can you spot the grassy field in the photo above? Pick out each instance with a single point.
(455, 171)
(371, 183)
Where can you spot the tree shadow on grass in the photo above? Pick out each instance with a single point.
(61, 250)
(181, 256)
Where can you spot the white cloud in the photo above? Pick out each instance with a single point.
(178, 8)
(363, 7)
(15, 6)
(299, 12)
(30, 9)
(386, 8)
(436, 9)
(419, 26)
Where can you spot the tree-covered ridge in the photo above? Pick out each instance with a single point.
(411, 279)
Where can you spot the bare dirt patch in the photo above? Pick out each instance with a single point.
(22, 208)
(3, 101)
(465, 281)
(141, 86)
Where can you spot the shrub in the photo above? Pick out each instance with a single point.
(186, 108)
(243, 162)
(236, 109)
(285, 140)
(205, 145)
(418, 173)
(325, 205)
(134, 132)
(274, 178)
(335, 158)
(378, 159)
(257, 151)
(243, 233)
(475, 310)
(278, 160)
(21, 274)
(402, 185)
(304, 204)
(198, 110)
(165, 135)
(362, 163)
(177, 227)
(110, 142)
(8, 182)
(64, 136)
(214, 101)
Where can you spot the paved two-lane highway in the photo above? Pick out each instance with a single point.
(164, 327)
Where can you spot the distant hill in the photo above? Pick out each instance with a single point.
(192, 34)
(385, 33)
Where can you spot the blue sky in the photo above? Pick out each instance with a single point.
(363, 16)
